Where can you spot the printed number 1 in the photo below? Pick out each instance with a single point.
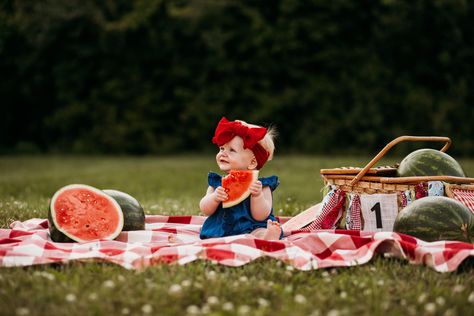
(378, 215)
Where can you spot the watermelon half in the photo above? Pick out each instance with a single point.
(436, 218)
(82, 213)
(429, 162)
(133, 213)
(237, 185)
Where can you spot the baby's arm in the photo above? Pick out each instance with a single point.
(212, 199)
(260, 201)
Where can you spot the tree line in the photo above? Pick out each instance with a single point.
(155, 76)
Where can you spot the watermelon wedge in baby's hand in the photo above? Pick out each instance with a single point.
(237, 186)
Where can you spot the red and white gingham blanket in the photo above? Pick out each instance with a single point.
(175, 239)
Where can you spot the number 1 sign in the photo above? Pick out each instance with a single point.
(379, 211)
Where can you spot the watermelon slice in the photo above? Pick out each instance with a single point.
(237, 184)
(83, 213)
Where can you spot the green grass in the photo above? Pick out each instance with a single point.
(174, 185)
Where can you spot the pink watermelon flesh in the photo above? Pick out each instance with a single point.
(85, 215)
(237, 184)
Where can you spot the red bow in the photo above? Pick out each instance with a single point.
(227, 130)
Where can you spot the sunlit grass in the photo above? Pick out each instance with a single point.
(174, 185)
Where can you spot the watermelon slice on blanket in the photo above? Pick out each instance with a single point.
(82, 213)
(237, 185)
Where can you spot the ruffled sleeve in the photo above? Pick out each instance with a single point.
(214, 180)
(271, 182)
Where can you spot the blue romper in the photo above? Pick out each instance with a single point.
(237, 219)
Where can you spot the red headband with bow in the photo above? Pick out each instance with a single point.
(227, 130)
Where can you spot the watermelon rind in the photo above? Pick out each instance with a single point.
(436, 218)
(133, 213)
(60, 235)
(429, 162)
(245, 195)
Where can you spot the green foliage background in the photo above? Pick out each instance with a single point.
(154, 77)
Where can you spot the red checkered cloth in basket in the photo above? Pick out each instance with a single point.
(464, 196)
(331, 212)
(175, 239)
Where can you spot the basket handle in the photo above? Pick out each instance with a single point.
(397, 140)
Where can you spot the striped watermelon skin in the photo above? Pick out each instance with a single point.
(133, 213)
(436, 218)
(429, 162)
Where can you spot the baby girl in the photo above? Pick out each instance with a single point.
(242, 146)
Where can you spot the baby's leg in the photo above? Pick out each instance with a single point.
(272, 232)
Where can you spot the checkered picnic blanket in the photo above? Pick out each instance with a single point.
(175, 239)
(466, 197)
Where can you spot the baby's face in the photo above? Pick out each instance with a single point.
(232, 155)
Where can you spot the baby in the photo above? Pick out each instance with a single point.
(242, 146)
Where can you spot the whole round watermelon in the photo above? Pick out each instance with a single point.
(429, 162)
(133, 213)
(436, 218)
(82, 213)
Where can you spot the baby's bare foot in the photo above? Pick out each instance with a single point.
(273, 231)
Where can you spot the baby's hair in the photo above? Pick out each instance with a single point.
(268, 141)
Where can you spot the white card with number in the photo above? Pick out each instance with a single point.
(379, 211)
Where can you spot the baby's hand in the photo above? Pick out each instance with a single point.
(256, 188)
(220, 195)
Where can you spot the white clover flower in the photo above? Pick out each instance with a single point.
(121, 278)
(380, 282)
(192, 310)
(422, 298)
(211, 275)
(325, 274)
(440, 301)
(205, 309)
(243, 279)
(108, 284)
(334, 312)
(458, 288)
(343, 295)
(430, 308)
(71, 298)
(175, 289)
(212, 300)
(93, 296)
(290, 268)
(228, 306)
(186, 283)
(263, 302)
(22, 311)
(470, 299)
(449, 312)
(244, 310)
(147, 309)
(125, 311)
(300, 299)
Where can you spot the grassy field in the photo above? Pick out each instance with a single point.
(174, 185)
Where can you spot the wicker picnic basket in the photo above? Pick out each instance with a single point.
(371, 180)
(370, 198)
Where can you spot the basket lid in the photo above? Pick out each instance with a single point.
(381, 171)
